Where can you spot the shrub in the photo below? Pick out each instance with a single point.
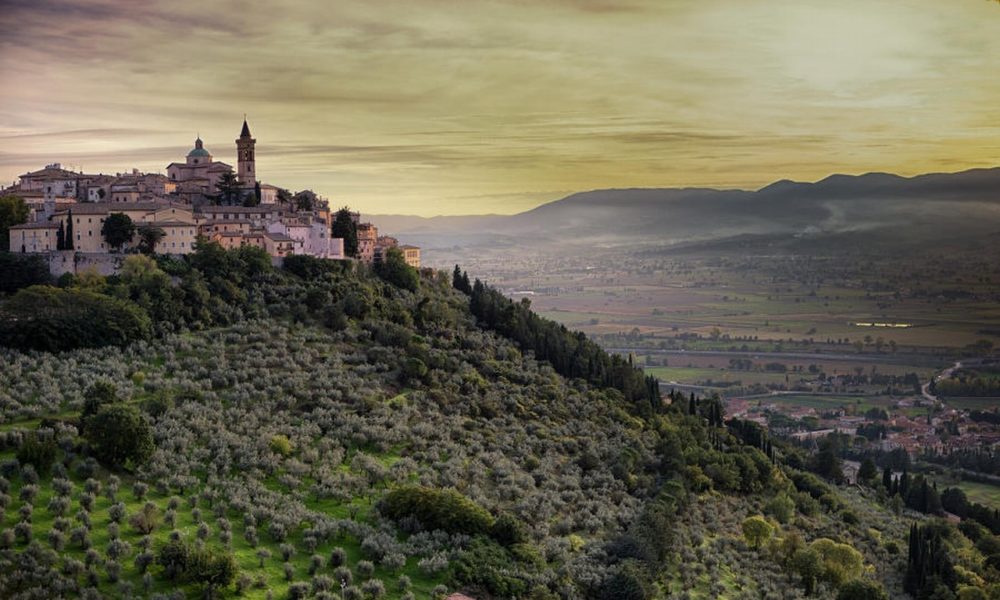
(487, 564)
(116, 512)
(756, 530)
(365, 568)
(781, 507)
(446, 510)
(119, 435)
(38, 451)
(394, 269)
(280, 444)
(862, 589)
(373, 588)
(146, 520)
(205, 566)
(508, 530)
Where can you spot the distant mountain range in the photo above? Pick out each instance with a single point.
(904, 209)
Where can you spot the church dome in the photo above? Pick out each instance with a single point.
(198, 150)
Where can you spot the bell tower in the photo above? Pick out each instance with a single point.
(244, 155)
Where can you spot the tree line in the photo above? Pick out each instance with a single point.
(570, 353)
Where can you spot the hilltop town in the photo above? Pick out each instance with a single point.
(199, 198)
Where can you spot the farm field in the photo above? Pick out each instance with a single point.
(689, 375)
(983, 493)
(824, 402)
(737, 297)
(973, 403)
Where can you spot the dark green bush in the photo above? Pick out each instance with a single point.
(446, 510)
(119, 435)
(19, 271)
(489, 566)
(53, 320)
(37, 451)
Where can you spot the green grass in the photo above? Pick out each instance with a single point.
(982, 493)
(820, 402)
(693, 375)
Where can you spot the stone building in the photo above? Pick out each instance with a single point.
(199, 170)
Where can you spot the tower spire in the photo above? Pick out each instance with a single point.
(244, 155)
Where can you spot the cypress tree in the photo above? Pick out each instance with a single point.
(68, 239)
(887, 479)
(61, 237)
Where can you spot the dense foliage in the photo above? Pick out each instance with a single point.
(19, 271)
(51, 319)
(13, 211)
(446, 510)
(117, 230)
(570, 353)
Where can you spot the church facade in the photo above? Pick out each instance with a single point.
(200, 173)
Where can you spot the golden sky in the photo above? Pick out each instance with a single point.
(465, 106)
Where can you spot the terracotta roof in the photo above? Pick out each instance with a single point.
(166, 224)
(279, 237)
(100, 208)
(226, 222)
(261, 208)
(52, 172)
(39, 225)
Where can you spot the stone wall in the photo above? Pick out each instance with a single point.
(69, 261)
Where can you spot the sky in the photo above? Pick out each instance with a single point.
(430, 107)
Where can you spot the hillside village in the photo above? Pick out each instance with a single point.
(198, 198)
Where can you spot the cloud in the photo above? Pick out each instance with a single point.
(430, 106)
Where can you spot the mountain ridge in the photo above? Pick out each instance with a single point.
(836, 203)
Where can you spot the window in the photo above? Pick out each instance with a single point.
(90, 233)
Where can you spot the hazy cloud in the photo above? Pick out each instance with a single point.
(437, 106)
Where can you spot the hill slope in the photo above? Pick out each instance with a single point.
(309, 429)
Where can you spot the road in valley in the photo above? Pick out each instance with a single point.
(926, 388)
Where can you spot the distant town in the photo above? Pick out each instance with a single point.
(198, 198)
